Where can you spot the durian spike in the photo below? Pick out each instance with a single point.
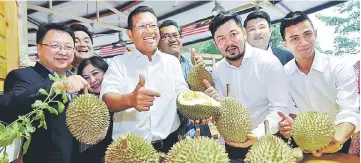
(188, 137)
(198, 133)
(228, 89)
(266, 126)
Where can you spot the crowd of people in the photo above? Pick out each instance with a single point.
(140, 86)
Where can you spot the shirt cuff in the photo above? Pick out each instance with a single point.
(352, 120)
(259, 131)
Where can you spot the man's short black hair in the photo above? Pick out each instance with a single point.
(80, 27)
(136, 11)
(257, 14)
(292, 18)
(44, 28)
(222, 18)
(167, 23)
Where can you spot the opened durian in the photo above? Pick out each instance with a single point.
(87, 118)
(312, 130)
(197, 105)
(271, 149)
(131, 148)
(196, 76)
(234, 122)
(199, 150)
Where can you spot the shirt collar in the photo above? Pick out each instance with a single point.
(136, 54)
(67, 72)
(317, 63)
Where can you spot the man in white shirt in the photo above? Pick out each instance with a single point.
(258, 28)
(141, 86)
(257, 80)
(319, 82)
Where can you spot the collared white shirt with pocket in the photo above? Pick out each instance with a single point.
(164, 75)
(259, 84)
(329, 87)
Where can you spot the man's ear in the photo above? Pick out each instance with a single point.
(284, 44)
(38, 47)
(129, 33)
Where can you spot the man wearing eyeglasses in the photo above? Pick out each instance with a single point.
(171, 43)
(141, 86)
(55, 46)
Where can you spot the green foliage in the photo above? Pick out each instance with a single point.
(206, 47)
(23, 126)
(276, 38)
(346, 21)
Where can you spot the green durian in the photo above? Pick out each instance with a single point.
(196, 76)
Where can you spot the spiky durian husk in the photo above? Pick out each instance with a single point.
(137, 150)
(196, 76)
(270, 149)
(312, 130)
(234, 122)
(198, 111)
(197, 150)
(87, 118)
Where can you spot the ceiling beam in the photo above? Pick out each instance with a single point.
(81, 19)
(46, 4)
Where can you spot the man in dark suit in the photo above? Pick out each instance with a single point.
(55, 46)
(258, 27)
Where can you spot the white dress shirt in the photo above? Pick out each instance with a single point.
(164, 75)
(259, 84)
(329, 87)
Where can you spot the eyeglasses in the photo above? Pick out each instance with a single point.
(168, 36)
(152, 26)
(59, 47)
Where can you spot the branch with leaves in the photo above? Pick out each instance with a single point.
(23, 126)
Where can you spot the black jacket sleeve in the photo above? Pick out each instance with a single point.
(20, 91)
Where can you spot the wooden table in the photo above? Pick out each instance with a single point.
(331, 158)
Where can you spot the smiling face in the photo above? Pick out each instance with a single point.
(258, 33)
(230, 40)
(145, 32)
(94, 76)
(171, 42)
(56, 50)
(83, 46)
(300, 40)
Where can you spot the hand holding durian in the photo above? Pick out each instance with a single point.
(313, 132)
(197, 60)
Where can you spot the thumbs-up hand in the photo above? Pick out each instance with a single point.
(210, 91)
(142, 98)
(285, 125)
(196, 59)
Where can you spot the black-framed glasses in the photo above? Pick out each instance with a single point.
(143, 26)
(169, 36)
(59, 47)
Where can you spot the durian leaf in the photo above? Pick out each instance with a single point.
(39, 115)
(57, 91)
(36, 104)
(51, 77)
(30, 128)
(64, 98)
(61, 107)
(56, 75)
(2, 127)
(52, 110)
(43, 91)
(43, 123)
(26, 143)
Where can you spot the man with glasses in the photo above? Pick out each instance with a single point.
(141, 86)
(171, 43)
(55, 46)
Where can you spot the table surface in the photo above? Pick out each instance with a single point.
(331, 158)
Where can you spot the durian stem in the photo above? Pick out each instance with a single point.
(266, 127)
(179, 137)
(228, 89)
(124, 143)
(198, 133)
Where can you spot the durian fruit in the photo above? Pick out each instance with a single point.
(131, 148)
(87, 118)
(198, 150)
(197, 105)
(234, 121)
(312, 130)
(196, 76)
(270, 149)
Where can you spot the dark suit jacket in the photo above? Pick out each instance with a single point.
(52, 145)
(283, 55)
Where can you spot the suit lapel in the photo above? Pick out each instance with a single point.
(41, 70)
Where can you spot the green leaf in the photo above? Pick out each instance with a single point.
(29, 128)
(44, 124)
(64, 98)
(56, 75)
(52, 110)
(39, 115)
(36, 104)
(43, 91)
(2, 127)
(61, 107)
(57, 91)
(26, 144)
(51, 77)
